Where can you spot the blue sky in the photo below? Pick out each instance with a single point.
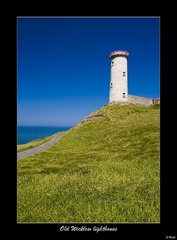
(63, 64)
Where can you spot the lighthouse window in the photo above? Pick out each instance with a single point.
(123, 95)
(124, 74)
(112, 63)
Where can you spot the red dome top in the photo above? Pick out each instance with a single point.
(119, 53)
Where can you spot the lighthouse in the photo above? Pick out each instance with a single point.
(118, 76)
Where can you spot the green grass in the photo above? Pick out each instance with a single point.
(35, 143)
(105, 170)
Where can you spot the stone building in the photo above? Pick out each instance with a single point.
(119, 81)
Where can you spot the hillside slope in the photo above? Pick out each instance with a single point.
(106, 169)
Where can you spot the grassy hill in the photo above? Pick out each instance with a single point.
(106, 169)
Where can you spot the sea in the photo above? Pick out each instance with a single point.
(27, 134)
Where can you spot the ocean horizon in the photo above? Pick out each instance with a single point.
(26, 134)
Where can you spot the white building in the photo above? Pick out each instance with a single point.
(119, 81)
(119, 77)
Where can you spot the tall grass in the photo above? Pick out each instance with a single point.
(104, 170)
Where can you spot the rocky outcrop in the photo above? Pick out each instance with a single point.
(91, 118)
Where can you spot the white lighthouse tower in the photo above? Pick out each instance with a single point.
(119, 77)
